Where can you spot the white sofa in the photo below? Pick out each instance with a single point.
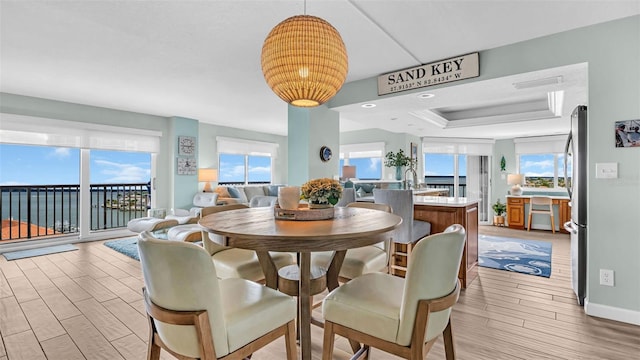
(191, 216)
(262, 195)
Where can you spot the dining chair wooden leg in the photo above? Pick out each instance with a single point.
(448, 342)
(153, 351)
(529, 222)
(290, 341)
(327, 344)
(553, 225)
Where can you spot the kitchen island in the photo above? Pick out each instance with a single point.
(443, 211)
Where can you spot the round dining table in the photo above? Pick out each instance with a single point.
(258, 229)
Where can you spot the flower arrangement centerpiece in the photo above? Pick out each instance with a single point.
(321, 193)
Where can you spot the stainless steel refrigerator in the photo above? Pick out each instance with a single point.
(575, 175)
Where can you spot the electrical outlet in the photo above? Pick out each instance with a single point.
(606, 277)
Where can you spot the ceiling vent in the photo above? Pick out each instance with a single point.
(539, 82)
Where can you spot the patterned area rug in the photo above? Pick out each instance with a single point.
(524, 256)
(128, 246)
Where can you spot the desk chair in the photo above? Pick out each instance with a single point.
(234, 262)
(194, 315)
(410, 230)
(400, 316)
(541, 205)
(358, 261)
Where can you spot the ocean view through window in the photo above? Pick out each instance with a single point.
(40, 185)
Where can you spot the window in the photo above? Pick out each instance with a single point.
(243, 161)
(541, 161)
(366, 157)
(542, 170)
(82, 177)
(461, 166)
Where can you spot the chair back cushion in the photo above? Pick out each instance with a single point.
(385, 245)
(432, 273)
(401, 202)
(212, 242)
(541, 204)
(348, 196)
(205, 199)
(181, 276)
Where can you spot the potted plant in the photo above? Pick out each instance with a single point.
(500, 209)
(397, 160)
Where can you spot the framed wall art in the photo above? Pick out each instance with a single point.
(414, 153)
(627, 133)
(186, 145)
(187, 166)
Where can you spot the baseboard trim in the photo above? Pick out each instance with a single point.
(612, 313)
(60, 240)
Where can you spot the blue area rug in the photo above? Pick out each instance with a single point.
(128, 246)
(524, 256)
(14, 255)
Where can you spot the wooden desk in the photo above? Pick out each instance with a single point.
(516, 211)
(257, 229)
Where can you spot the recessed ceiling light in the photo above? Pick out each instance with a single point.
(368, 106)
(425, 96)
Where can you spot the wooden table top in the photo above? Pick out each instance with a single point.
(257, 229)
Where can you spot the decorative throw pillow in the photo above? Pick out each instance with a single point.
(251, 191)
(360, 192)
(233, 192)
(368, 188)
(222, 192)
(272, 190)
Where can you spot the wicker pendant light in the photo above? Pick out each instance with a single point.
(304, 61)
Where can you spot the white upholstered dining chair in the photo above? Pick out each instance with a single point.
(237, 263)
(400, 316)
(194, 315)
(359, 261)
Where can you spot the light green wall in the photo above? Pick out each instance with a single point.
(612, 51)
(184, 185)
(308, 130)
(392, 142)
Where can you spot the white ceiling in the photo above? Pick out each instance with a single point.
(201, 59)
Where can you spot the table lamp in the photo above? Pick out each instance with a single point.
(348, 172)
(206, 176)
(516, 180)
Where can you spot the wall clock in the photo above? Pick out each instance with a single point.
(187, 166)
(186, 145)
(325, 153)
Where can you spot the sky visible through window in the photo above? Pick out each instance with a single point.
(437, 165)
(231, 168)
(44, 165)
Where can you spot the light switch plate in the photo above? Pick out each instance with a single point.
(607, 171)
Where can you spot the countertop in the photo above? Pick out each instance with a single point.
(557, 197)
(443, 201)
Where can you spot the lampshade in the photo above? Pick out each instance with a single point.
(348, 172)
(304, 61)
(513, 179)
(516, 180)
(206, 176)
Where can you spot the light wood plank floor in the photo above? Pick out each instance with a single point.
(87, 304)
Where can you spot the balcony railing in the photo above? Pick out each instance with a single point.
(31, 211)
